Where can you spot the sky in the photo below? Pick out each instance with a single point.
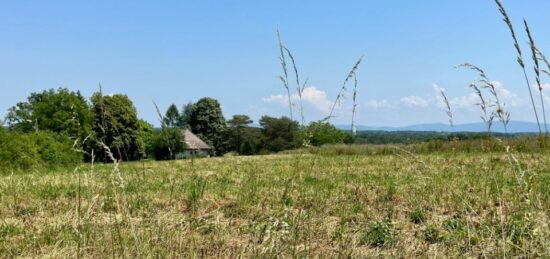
(180, 51)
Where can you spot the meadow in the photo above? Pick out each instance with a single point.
(306, 203)
(486, 196)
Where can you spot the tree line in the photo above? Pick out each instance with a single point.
(107, 127)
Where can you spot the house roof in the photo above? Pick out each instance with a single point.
(194, 142)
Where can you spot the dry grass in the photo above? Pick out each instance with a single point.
(519, 59)
(284, 205)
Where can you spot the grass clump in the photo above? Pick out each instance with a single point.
(432, 234)
(453, 224)
(418, 216)
(7, 230)
(196, 191)
(379, 234)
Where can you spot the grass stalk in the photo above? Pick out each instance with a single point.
(343, 89)
(520, 61)
(284, 77)
(448, 110)
(299, 88)
(537, 70)
(483, 105)
(354, 108)
(500, 108)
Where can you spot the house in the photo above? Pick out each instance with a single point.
(194, 146)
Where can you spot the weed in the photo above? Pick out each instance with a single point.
(380, 233)
(418, 216)
(432, 234)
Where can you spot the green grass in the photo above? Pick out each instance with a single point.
(450, 204)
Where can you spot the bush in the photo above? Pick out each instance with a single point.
(321, 133)
(24, 151)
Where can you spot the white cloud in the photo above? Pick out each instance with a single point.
(379, 104)
(312, 95)
(506, 96)
(414, 101)
(465, 101)
(317, 98)
(279, 99)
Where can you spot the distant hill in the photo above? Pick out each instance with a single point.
(513, 127)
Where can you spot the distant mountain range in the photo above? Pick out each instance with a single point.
(513, 127)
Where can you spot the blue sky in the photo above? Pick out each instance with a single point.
(179, 51)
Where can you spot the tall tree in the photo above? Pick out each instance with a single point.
(207, 121)
(116, 125)
(167, 143)
(185, 115)
(239, 121)
(172, 116)
(236, 131)
(279, 133)
(60, 111)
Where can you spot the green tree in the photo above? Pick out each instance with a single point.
(185, 115)
(59, 111)
(321, 133)
(172, 116)
(240, 137)
(207, 122)
(167, 143)
(147, 135)
(117, 126)
(279, 133)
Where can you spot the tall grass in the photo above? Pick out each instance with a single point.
(447, 104)
(341, 93)
(499, 110)
(354, 107)
(537, 70)
(299, 87)
(284, 77)
(519, 59)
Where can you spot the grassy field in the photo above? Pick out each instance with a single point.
(288, 205)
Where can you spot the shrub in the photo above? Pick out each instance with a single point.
(23, 151)
(321, 133)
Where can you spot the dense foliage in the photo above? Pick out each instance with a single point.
(117, 127)
(171, 117)
(167, 143)
(35, 150)
(207, 122)
(147, 131)
(321, 133)
(279, 133)
(240, 138)
(185, 115)
(59, 116)
(60, 111)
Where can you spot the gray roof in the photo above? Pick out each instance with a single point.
(194, 142)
